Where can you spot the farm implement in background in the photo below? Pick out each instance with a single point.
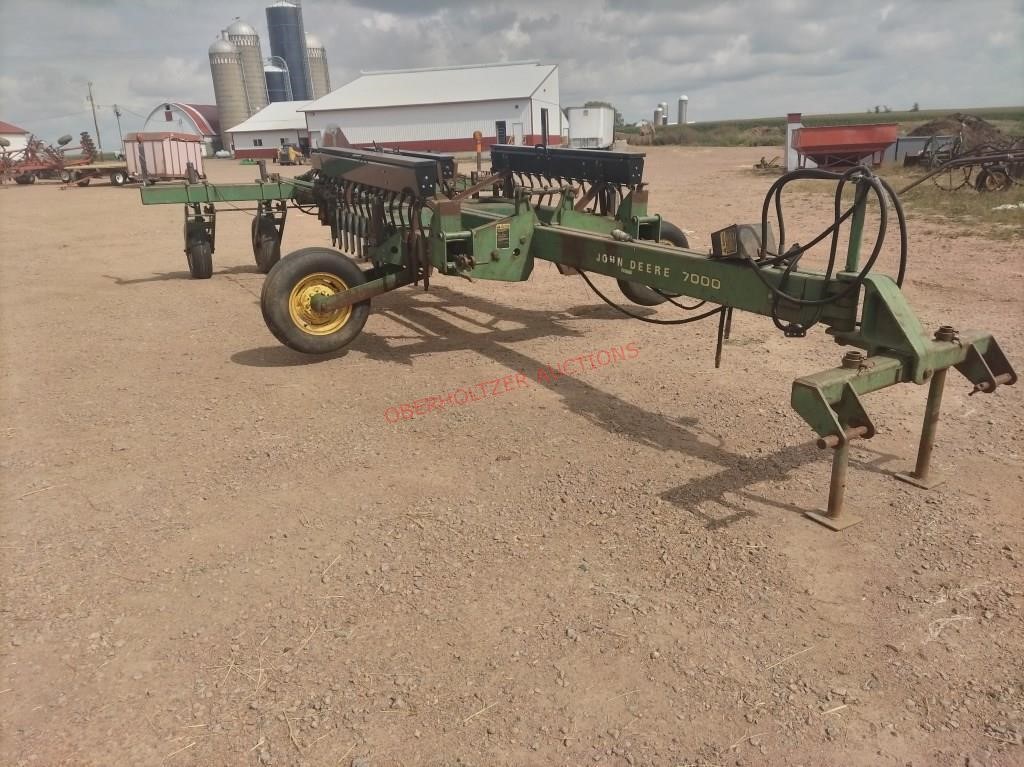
(41, 160)
(72, 165)
(400, 218)
(986, 167)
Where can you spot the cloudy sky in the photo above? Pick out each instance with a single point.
(733, 58)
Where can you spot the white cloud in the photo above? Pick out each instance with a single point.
(733, 58)
(381, 22)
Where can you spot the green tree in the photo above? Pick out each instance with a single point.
(915, 108)
(619, 122)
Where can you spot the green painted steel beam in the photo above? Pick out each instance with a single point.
(678, 271)
(170, 194)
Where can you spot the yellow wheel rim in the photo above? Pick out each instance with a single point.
(300, 304)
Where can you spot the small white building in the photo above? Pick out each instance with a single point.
(277, 124)
(440, 109)
(17, 138)
(591, 127)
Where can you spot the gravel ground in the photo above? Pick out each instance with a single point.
(217, 551)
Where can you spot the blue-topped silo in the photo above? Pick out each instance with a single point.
(288, 41)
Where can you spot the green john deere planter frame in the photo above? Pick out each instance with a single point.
(408, 216)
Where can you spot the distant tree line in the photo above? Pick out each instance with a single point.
(885, 109)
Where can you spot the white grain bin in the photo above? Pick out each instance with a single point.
(591, 127)
(166, 154)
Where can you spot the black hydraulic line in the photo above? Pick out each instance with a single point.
(615, 306)
(684, 307)
(875, 186)
(797, 252)
(902, 220)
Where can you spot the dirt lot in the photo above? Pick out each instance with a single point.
(219, 552)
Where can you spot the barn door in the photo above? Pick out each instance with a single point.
(517, 134)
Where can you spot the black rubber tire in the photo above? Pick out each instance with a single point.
(118, 177)
(25, 178)
(65, 176)
(200, 259)
(641, 294)
(993, 180)
(286, 275)
(266, 247)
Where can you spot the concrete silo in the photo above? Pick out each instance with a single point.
(683, 101)
(228, 87)
(279, 88)
(288, 40)
(319, 77)
(245, 39)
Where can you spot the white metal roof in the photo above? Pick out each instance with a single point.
(405, 87)
(277, 115)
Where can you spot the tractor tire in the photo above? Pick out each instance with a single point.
(118, 177)
(287, 294)
(643, 295)
(200, 259)
(25, 178)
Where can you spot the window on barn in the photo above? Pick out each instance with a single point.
(257, 142)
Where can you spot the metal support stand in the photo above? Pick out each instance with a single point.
(919, 476)
(724, 319)
(834, 517)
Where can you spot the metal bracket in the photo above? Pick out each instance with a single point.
(987, 369)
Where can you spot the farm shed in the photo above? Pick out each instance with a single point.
(278, 123)
(439, 109)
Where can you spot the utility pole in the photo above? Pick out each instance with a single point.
(117, 114)
(95, 122)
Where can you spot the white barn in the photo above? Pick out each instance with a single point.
(439, 109)
(278, 123)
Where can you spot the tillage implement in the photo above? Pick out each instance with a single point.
(398, 218)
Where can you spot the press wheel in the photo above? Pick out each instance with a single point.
(200, 259)
(266, 246)
(287, 301)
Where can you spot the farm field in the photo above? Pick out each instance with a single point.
(768, 131)
(217, 551)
